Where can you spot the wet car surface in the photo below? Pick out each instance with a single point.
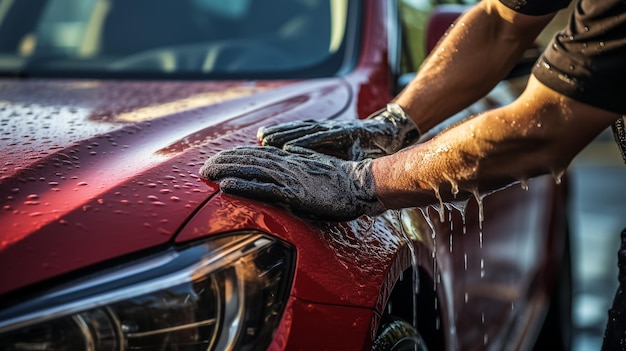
(110, 236)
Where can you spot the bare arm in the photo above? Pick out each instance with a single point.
(481, 48)
(539, 133)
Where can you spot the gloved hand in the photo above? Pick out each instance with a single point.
(382, 133)
(309, 183)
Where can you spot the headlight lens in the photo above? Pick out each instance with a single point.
(222, 294)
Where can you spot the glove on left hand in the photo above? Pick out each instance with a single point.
(307, 182)
(382, 133)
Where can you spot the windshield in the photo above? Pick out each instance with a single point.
(177, 38)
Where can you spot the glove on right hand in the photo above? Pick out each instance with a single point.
(309, 183)
(382, 133)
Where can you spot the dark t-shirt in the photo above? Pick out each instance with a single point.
(586, 60)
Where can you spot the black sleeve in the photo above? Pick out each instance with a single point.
(587, 60)
(536, 7)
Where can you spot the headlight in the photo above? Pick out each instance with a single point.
(222, 294)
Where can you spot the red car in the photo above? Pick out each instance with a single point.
(111, 241)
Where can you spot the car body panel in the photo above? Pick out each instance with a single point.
(75, 198)
(341, 264)
(329, 327)
(98, 172)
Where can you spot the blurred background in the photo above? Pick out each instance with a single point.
(598, 214)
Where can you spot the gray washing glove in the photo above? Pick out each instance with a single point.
(309, 183)
(382, 133)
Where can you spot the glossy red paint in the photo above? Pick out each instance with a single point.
(95, 172)
(326, 327)
(105, 177)
(371, 79)
(483, 279)
(337, 262)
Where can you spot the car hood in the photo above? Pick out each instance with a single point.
(95, 170)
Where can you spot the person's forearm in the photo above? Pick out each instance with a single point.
(481, 48)
(539, 133)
